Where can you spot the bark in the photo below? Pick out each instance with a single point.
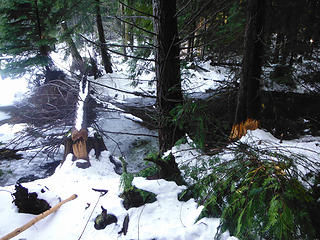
(167, 68)
(248, 107)
(104, 53)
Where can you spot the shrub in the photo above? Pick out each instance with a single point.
(257, 194)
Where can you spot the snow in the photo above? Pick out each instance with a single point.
(83, 93)
(4, 116)
(167, 218)
(12, 90)
(9, 131)
(203, 80)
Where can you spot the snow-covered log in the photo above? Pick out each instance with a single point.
(79, 133)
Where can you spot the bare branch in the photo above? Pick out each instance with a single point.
(133, 93)
(115, 52)
(131, 46)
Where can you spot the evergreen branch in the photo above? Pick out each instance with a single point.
(136, 26)
(136, 10)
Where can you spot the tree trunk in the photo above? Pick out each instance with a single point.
(79, 64)
(123, 33)
(130, 32)
(104, 53)
(248, 107)
(167, 68)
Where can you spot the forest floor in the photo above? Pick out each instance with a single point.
(167, 217)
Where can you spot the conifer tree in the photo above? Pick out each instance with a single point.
(169, 93)
(27, 34)
(248, 107)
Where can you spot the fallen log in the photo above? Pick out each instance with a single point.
(37, 218)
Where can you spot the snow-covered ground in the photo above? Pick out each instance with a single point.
(167, 218)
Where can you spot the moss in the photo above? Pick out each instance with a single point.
(136, 197)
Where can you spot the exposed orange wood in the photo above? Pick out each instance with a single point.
(79, 146)
(240, 129)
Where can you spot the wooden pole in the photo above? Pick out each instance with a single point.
(37, 219)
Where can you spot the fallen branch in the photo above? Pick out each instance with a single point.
(37, 218)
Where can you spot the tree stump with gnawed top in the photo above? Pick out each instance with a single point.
(79, 143)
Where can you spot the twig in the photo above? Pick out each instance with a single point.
(101, 194)
(116, 89)
(139, 221)
(136, 26)
(115, 52)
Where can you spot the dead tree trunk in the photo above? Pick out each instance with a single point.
(79, 135)
(248, 107)
(169, 93)
(79, 143)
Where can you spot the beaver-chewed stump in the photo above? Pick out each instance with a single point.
(29, 202)
(96, 142)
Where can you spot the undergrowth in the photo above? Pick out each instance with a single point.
(187, 116)
(258, 194)
(133, 196)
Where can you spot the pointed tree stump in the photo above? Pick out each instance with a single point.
(79, 143)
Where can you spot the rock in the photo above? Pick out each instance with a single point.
(83, 164)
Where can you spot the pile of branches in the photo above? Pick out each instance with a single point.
(49, 113)
(52, 103)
